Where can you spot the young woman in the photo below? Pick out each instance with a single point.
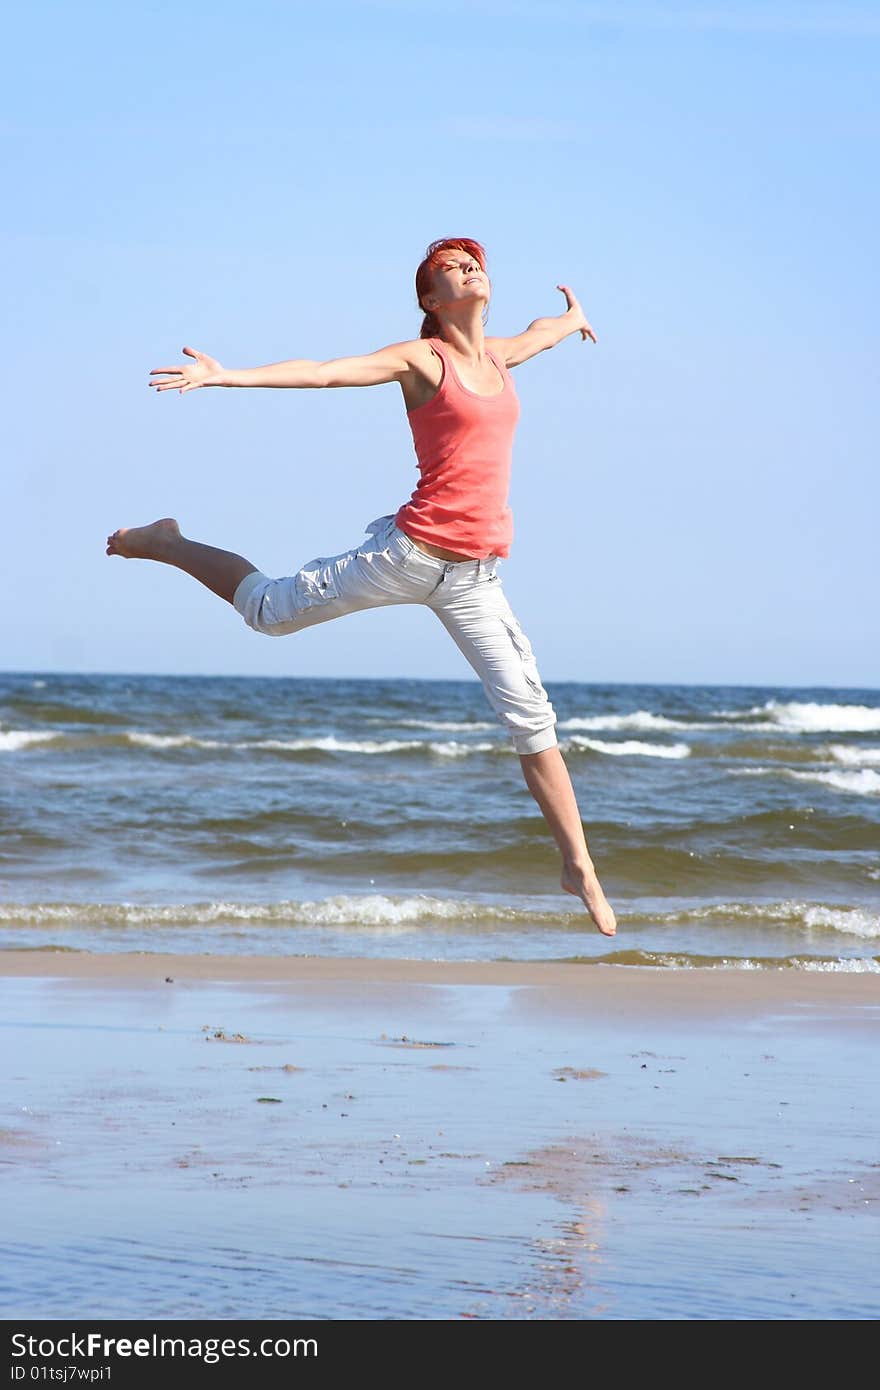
(443, 546)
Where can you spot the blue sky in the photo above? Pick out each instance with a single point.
(696, 498)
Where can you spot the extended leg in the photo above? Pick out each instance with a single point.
(219, 570)
(548, 780)
(480, 621)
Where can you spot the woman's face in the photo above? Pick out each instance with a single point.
(457, 278)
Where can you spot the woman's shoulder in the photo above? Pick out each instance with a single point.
(414, 347)
(426, 370)
(499, 348)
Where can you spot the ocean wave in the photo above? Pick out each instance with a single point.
(854, 921)
(461, 750)
(369, 747)
(846, 965)
(330, 743)
(862, 781)
(359, 910)
(628, 748)
(853, 754)
(170, 741)
(639, 719)
(451, 726)
(385, 910)
(850, 921)
(686, 960)
(808, 717)
(451, 748)
(11, 740)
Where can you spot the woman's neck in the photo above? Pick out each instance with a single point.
(463, 332)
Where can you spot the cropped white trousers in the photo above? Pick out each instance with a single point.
(466, 596)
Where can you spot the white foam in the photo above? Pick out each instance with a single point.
(810, 718)
(853, 754)
(639, 719)
(861, 782)
(11, 740)
(327, 744)
(173, 741)
(461, 750)
(451, 726)
(853, 921)
(844, 966)
(630, 748)
(853, 965)
(760, 726)
(331, 744)
(380, 909)
(371, 909)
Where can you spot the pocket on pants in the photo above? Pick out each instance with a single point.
(524, 651)
(317, 582)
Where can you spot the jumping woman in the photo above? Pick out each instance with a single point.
(443, 546)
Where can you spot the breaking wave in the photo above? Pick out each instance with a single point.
(380, 909)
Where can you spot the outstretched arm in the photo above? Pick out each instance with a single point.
(546, 333)
(374, 369)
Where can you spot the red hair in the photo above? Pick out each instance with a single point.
(424, 275)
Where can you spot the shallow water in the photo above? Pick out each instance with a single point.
(430, 1152)
(229, 815)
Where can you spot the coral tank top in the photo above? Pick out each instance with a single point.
(463, 443)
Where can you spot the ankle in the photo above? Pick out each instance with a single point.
(580, 867)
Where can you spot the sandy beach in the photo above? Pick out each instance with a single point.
(191, 1136)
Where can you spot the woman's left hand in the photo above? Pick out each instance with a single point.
(577, 313)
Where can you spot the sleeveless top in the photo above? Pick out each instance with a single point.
(463, 444)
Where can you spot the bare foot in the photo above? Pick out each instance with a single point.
(589, 890)
(151, 542)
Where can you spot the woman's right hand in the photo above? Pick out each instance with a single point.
(202, 371)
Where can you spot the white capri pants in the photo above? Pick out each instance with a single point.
(466, 596)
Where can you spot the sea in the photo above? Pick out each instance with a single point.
(733, 827)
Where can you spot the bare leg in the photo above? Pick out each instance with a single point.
(548, 780)
(219, 570)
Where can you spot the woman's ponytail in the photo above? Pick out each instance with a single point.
(430, 326)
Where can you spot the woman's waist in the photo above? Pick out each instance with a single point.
(453, 536)
(437, 550)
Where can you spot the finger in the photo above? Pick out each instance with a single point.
(190, 386)
(166, 371)
(193, 352)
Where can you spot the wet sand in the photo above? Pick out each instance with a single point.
(312, 1138)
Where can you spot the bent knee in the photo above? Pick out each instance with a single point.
(520, 700)
(534, 741)
(527, 715)
(264, 604)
